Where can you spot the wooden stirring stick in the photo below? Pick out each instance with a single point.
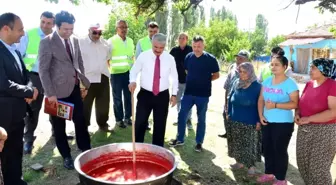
(133, 138)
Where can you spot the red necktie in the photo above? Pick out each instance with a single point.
(67, 47)
(156, 79)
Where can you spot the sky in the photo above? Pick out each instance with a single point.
(280, 21)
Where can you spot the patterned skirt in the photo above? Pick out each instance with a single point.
(315, 152)
(244, 143)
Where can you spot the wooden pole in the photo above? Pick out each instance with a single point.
(133, 138)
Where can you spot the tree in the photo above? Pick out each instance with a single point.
(136, 26)
(222, 14)
(274, 42)
(324, 5)
(259, 36)
(333, 30)
(242, 42)
(152, 6)
(261, 23)
(222, 38)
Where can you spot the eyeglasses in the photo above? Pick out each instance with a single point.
(97, 33)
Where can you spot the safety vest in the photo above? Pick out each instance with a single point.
(122, 55)
(145, 43)
(34, 39)
(266, 72)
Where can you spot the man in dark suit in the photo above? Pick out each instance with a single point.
(62, 75)
(15, 92)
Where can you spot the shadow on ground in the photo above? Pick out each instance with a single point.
(197, 162)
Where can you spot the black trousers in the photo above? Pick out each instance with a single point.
(100, 93)
(146, 103)
(275, 140)
(81, 129)
(31, 120)
(11, 156)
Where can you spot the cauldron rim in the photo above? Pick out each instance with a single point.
(79, 170)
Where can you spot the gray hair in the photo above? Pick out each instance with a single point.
(119, 21)
(160, 37)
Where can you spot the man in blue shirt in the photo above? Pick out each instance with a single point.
(202, 68)
(28, 47)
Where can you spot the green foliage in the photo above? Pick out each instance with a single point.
(222, 38)
(222, 14)
(152, 6)
(329, 5)
(259, 36)
(77, 2)
(236, 45)
(136, 26)
(333, 30)
(274, 42)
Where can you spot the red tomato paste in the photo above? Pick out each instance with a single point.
(118, 167)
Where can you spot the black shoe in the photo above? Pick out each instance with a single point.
(121, 124)
(68, 163)
(222, 135)
(28, 148)
(198, 148)
(175, 142)
(128, 122)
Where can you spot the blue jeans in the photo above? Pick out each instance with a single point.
(119, 83)
(187, 103)
(180, 92)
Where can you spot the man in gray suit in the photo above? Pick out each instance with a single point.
(62, 76)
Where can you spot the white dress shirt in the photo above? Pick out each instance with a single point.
(145, 64)
(70, 41)
(12, 49)
(95, 56)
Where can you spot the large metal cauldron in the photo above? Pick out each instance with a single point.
(94, 153)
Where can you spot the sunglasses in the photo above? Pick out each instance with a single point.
(97, 33)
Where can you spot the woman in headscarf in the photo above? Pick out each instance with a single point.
(316, 117)
(244, 120)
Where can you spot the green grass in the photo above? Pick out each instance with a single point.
(211, 167)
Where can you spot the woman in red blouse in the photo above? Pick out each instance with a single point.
(316, 117)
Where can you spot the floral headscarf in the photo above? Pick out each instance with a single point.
(248, 67)
(325, 66)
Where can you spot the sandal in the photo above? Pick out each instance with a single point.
(266, 178)
(277, 182)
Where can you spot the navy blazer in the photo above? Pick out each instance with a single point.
(14, 88)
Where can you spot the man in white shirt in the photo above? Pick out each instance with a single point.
(95, 54)
(157, 67)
